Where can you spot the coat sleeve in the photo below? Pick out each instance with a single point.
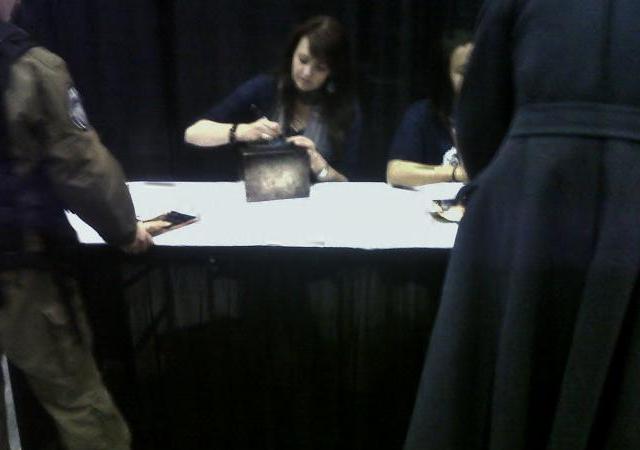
(486, 103)
(82, 172)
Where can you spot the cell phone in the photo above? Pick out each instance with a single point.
(174, 218)
(449, 210)
(446, 204)
(177, 218)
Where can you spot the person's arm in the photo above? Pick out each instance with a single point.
(487, 99)
(417, 148)
(321, 169)
(82, 172)
(410, 174)
(241, 108)
(207, 133)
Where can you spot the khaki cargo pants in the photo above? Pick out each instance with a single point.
(44, 332)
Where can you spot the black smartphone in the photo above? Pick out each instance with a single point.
(446, 204)
(174, 219)
(177, 218)
(448, 210)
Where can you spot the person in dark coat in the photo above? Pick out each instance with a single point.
(537, 340)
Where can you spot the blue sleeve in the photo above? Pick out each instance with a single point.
(236, 107)
(420, 137)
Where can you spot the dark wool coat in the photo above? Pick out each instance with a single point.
(537, 340)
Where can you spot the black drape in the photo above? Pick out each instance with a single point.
(114, 52)
(268, 348)
(148, 68)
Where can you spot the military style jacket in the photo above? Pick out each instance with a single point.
(57, 157)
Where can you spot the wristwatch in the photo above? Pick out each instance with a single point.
(323, 173)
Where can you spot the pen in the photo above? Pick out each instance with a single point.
(258, 112)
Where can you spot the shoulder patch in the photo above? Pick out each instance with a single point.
(76, 110)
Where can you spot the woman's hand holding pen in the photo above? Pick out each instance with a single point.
(262, 129)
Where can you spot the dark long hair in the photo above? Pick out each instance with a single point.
(329, 43)
(441, 93)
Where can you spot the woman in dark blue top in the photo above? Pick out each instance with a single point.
(423, 149)
(310, 101)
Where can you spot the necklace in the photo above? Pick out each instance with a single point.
(298, 124)
(300, 117)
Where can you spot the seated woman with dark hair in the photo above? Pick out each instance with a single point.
(423, 149)
(310, 101)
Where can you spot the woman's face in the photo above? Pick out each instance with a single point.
(307, 72)
(458, 64)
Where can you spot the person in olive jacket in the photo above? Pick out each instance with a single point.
(51, 159)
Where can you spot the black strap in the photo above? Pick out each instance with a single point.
(599, 120)
(14, 42)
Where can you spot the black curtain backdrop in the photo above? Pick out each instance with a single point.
(148, 68)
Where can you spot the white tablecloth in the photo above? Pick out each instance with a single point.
(344, 215)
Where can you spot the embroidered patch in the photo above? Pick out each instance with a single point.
(76, 111)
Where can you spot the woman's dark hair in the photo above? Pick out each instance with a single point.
(329, 43)
(442, 95)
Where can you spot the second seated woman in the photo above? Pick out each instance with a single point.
(310, 101)
(423, 149)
